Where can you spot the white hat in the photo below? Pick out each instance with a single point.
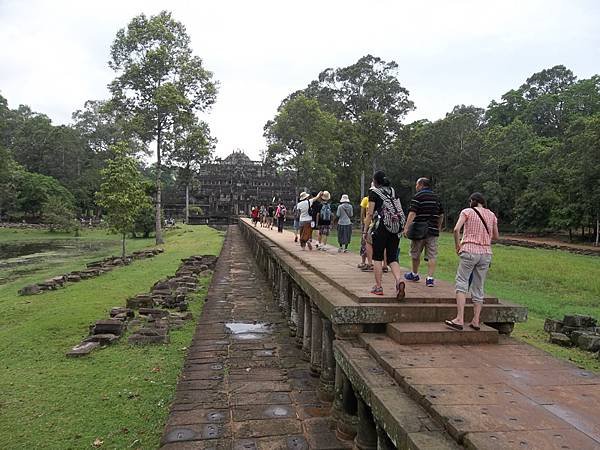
(345, 199)
(326, 196)
(304, 196)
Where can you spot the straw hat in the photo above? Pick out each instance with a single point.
(326, 196)
(304, 196)
(344, 199)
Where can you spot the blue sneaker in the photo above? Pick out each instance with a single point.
(411, 276)
(429, 282)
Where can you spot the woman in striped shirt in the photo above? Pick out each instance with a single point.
(480, 227)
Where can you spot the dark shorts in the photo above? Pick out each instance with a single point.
(385, 242)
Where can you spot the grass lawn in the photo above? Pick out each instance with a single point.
(120, 394)
(550, 283)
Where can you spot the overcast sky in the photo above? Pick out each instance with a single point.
(54, 53)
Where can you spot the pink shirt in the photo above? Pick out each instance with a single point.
(475, 238)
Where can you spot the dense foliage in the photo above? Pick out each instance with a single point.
(534, 153)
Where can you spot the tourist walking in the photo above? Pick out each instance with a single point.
(344, 223)
(270, 216)
(423, 224)
(479, 227)
(280, 213)
(255, 215)
(314, 212)
(386, 231)
(366, 247)
(263, 216)
(296, 226)
(306, 219)
(324, 217)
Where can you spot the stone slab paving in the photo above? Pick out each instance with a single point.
(340, 269)
(497, 396)
(244, 384)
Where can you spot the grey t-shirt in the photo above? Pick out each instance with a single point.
(344, 213)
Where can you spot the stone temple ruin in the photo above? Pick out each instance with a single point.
(149, 317)
(229, 187)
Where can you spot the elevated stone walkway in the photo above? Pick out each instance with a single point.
(389, 374)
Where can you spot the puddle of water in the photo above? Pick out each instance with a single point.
(248, 331)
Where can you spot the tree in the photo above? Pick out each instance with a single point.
(122, 192)
(158, 81)
(59, 215)
(193, 146)
(368, 93)
(302, 139)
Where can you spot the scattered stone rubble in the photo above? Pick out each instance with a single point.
(149, 317)
(92, 270)
(575, 330)
(544, 245)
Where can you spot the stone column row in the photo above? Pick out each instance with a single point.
(315, 334)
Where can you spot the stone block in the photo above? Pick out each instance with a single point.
(560, 339)
(121, 310)
(574, 335)
(109, 326)
(589, 342)
(140, 301)
(579, 321)
(73, 278)
(30, 290)
(553, 326)
(82, 349)
(102, 339)
(155, 312)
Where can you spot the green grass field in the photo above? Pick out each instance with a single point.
(118, 395)
(550, 283)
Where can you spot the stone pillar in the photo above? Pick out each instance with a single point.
(293, 317)
(299, 317)
(327, 382)
(307, 329)
(315, 340)
(283, 291)
(366, 434)
(336, 410)
(383, 440)
(347, 420)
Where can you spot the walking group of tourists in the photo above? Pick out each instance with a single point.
(315, 214)
(269, 216)
(383, 223)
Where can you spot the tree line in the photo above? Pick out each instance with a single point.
(535, 152)
(52, 173)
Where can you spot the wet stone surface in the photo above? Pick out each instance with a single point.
(244, 385)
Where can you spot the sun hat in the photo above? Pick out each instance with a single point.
(304, 196)
(344, 199)
(326, 196)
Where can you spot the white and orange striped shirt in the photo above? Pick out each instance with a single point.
(475, 238)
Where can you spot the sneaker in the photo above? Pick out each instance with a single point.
(429, 282)
(411, 276)
(296, 239)
(377, 290)
(340, 250)
(345, 250)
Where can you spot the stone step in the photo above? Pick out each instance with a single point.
(421, 299)
(407, 333)
(438, 312)
(407, 423)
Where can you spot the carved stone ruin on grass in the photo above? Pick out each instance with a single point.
(575, 330)
(93, 269)
(149, 317)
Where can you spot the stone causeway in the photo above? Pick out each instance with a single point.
(292, 352)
